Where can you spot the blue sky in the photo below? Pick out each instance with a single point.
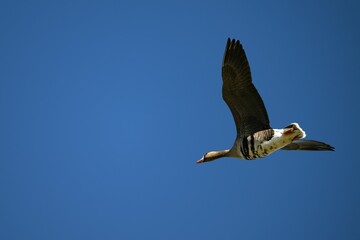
(106, 105)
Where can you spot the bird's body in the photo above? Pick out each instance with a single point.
(265, 142)
(255, 138)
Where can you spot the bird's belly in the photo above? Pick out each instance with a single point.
(250, 149)
(253, 147)
(260, 149)
(276, 142)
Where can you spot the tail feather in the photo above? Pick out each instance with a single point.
(311, 145)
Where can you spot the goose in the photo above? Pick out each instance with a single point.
(255, 138)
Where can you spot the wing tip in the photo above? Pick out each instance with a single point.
(233, 50)
(232, 42)
(326, 147)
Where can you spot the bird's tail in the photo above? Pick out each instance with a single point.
(311, 145)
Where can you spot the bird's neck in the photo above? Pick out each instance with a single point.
(211, 156)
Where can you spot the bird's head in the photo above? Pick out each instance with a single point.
(204, 158)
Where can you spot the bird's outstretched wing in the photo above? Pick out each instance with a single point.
(240, 94)
(311, 145)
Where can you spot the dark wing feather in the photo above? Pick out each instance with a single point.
(240, 94)
(311, 145)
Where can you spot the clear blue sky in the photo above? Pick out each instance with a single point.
(105, 106)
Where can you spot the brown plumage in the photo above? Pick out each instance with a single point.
(240, 94)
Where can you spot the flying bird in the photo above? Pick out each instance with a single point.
(255, 138)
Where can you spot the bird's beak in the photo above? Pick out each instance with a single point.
(200, 161)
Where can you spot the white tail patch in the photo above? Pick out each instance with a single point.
(297, 127)
(281, 139)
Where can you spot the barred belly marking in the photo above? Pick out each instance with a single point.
(262, 143)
